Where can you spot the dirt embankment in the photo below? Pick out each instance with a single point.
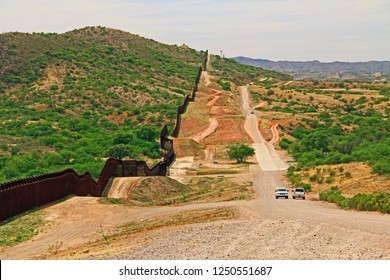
(213, 121)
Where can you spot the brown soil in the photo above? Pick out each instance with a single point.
(38, 106)
(116, 118)
(123, 187)
(212, 119)
(186, 147)
(54, 76)
(229, 131)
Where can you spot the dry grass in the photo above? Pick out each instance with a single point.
(187, 147)
(217, 189)
(138, 233)
(166, 191)
(361, 180)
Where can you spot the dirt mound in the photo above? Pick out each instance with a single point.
(186, 147)
(158, 191)
(122, 187)
(230, 130)
(146, 190)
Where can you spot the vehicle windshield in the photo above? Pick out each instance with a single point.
(281, 190)
(299, 190)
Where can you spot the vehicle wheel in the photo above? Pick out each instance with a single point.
(293, 197)
(276, 197)
(286, 197)
(303, 198)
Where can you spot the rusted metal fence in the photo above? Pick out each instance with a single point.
(25, 194)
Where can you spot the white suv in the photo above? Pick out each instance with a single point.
(298, 193)
(281, 192)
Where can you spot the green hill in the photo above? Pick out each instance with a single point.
(69, 100)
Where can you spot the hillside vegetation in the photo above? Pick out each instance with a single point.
(66, 99)
(71, 100)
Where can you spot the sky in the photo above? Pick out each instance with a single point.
(297, 30)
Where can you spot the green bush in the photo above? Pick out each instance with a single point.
(329, 180)
(377, 201)
(285, 143)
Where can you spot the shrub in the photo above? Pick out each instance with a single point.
(329, 180)
(348, 174)
(285, 143)
(331, 172)
(363, 202)
(313, 178)
(332, 195)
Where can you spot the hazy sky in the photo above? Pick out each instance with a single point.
(327, 30)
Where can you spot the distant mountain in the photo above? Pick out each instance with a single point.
(372, 70)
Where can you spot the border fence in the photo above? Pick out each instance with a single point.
(21, 195)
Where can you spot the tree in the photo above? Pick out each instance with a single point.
(240, 152)
(147, 132)
(318, 140)
(119, 151)
(122, 138)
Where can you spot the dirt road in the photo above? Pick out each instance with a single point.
(122, 187)
(213, 122)
(265, 152)
(275, 134)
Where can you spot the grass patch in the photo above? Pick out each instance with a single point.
(166, 191)
(363, 202)
(106, 200)
(210, 189)
(21, 228)
(217, 171)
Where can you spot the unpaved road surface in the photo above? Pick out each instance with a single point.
(265, 152)
(275, 134)
(213, 122)
(123, 187)
(208, 131)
